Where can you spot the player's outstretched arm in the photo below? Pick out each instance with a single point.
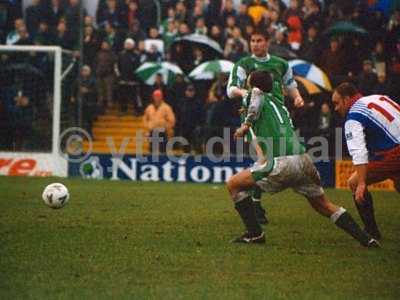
(237, 79)
(296, 96)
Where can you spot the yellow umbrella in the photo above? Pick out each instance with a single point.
(309, 86)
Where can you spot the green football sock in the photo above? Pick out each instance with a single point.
(256, 194)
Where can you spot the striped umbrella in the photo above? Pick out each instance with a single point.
(310, 72)
(210, 69)
(149, 70)
(308, 86)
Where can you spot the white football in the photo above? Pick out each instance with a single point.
(55, 195)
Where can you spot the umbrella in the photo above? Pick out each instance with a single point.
(149, 70)
(282, 52)
(310, 72)
(210, 69)
(203, 41)
(308, 86)
(345, 27)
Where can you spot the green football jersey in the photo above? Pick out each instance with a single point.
(278, 68)
(272, 125)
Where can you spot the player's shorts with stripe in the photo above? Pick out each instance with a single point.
(295, 171)
(387, 167)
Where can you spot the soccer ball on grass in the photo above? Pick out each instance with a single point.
(55, 195)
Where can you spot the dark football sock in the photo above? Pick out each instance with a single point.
(367, 214)
(246, 211)
(256, 193)
(345, 221)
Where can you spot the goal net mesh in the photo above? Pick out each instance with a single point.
(27, 100)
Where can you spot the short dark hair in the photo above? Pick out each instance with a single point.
(261, 31)
(262, 80)
(346, 89)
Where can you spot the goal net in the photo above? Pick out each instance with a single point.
(31, 106)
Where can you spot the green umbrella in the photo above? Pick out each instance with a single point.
(210, 69)
(149, 70)
(345, 27)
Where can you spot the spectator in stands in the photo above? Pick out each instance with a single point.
(159, 120)
(257, 10)
(91, 45)
(229, 26)
(332, 61)
(217, 35)
(19, 107)
(169, 34)
(183, 29)
(294, 9)
(197, 13)
(63, 36)
(54, 13)
(43, 36)
(33, 15)
(170, 17)
(382, 87)
(190, 119)
(243, 19)
(176, 92)
(198, 57)
(128, 84)
(280, 38)
(159, 84)
(114, 37)
(379, 57)
(135, 32)
(89, 21)
(73, 17)
(218, 89)
(13, 36)
(311, 13)
(111, 14)
(367, 80)
(325, 121)
(85, 88)
(309, 47)
(24, 38)
(132, 13)
(295, 36)
(182, 14)
(200, 26)
(105, 62)
(228, 11)
(236, 47)
(154, 45)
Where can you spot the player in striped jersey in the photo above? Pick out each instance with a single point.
(372, 131)
(287, 165)
(282, 76)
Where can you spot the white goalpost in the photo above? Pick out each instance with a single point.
(48, 162)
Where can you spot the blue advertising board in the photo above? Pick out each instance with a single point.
(199, 169)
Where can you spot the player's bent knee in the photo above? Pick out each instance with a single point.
(322, 205)
(232, 186)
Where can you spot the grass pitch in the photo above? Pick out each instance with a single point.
(126, 240)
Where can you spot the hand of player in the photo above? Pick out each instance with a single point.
(360, 192)
(240, 132)
(298, 102)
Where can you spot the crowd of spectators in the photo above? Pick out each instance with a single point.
(125, 33)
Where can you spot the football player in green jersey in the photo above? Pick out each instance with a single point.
(287, 165)
(282, 74)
